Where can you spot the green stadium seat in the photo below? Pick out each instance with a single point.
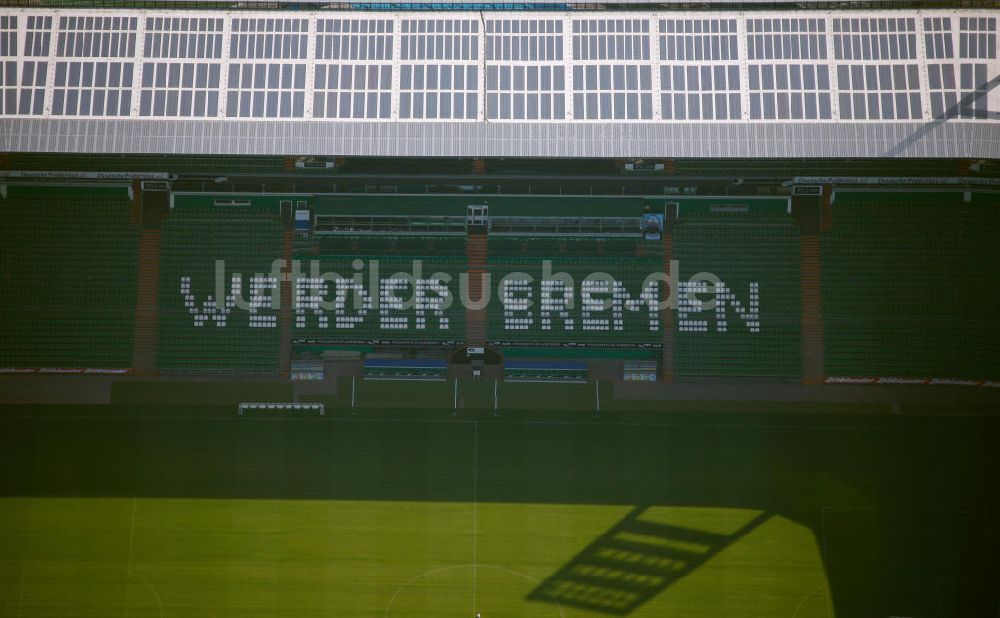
(742, 249)
(68, 277)
(248, 240)
(394, 255)
(578, 257)
(904, 292)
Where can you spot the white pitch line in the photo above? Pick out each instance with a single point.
(128, 574)
(822, 534)
(896, 509)
(443, 421)
(475, 512)
(487, 566)
(805, 598)
(20, 588)
(983, 480)
(940, 600)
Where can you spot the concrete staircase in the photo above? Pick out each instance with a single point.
(667, 315)
(285, 312)
(827, 209)
(135, 210)
(146, 338)
(813, 365)
(476, 251)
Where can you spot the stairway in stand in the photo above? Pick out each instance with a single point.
(476, 250)
(667, 315)
(827, 208)
(813, 366)
(146, 339)
(285, 312)
(135, 210)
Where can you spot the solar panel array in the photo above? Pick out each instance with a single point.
(574, 67)
(181, 67)
(545, 84)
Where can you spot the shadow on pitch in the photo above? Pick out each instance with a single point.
(632, 562)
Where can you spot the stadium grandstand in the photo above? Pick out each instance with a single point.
(268, 242)
(321, 137)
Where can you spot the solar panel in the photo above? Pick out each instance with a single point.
(655, 69)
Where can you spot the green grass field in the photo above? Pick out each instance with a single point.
(739, 510)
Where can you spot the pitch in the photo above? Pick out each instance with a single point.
(731, 511)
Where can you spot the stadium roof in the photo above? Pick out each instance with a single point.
(481, 84)
(415, 5)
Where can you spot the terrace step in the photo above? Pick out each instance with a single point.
(135, 209)
(667, 315)
(827, 214)
(813, 370)
(146, 340)
(285, 312)
(476, 254)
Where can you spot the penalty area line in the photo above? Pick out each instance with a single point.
(131, 544)
(475, 514)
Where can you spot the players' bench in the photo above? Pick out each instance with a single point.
(422, 369)
(562, 372)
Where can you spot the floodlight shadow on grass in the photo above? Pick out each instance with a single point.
(632, 562)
